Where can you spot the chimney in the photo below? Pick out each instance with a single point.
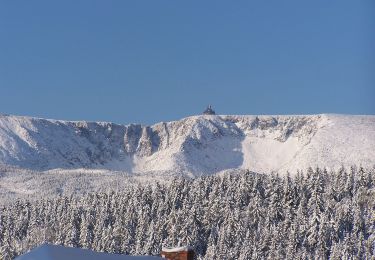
(178, 253)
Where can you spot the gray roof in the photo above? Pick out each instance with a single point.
(55, 252)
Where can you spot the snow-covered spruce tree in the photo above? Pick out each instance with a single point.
(317, 215)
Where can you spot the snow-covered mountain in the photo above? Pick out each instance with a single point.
(194, 145)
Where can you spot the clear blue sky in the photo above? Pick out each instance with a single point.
(149, 61)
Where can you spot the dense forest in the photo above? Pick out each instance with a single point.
(312, 215)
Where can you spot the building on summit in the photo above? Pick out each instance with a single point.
(209, 111)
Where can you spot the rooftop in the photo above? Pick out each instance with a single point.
(56, 252)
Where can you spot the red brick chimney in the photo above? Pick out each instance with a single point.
(178, 253)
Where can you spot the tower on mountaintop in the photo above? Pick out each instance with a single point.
(209, 111)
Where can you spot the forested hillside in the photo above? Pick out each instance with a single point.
(317, 215)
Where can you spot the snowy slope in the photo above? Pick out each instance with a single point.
(195, 145)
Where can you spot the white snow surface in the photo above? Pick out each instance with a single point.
(192, 146)
(43, 158)
(55, 252)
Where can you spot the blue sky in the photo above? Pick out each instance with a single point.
(150, 61)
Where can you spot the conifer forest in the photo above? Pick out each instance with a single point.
(313, 215)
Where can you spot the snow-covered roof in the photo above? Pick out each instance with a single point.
(55, 252)
(177, 249)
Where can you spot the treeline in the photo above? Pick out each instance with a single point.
(317, 215)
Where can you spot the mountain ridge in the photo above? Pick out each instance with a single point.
(203, 144)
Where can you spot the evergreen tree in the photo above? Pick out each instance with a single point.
(319, 215)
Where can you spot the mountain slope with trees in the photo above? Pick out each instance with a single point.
(317, 215)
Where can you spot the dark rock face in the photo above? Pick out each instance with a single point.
(131, 139)
(140, 140)
(148, 143)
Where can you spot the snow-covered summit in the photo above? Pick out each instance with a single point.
(195, 145)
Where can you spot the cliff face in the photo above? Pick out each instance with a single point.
(198, 145)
